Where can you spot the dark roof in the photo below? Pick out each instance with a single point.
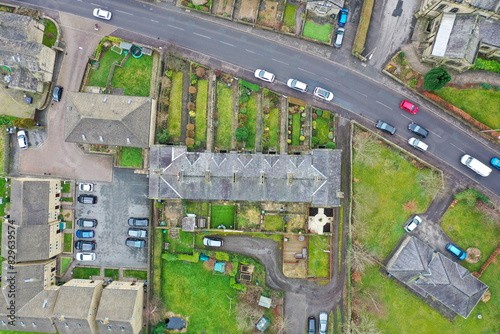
(489, 32)
(491, 5)
(32, 242)
(463, 40)
(427, 272)
(117, 120)
(314, 178)
(29, 202)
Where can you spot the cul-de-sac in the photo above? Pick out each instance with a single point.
(250, 166)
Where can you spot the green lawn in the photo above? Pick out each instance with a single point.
(50, 34)
(65, 261)
(66, 187)
(131, 157)
(85, 273)
(274, 127)
(318, 259)
(175, 107)
(296, 129)
(139, 274)
(201, 111)
(289, 17)
(113, 273)
(68, 242)
(222, 214)
(251, 121)
(318, 32)
(3, 194)
(181, 245)
(486, 112)
(100, 77)
(157, 265)
(323, 130)
(225, 121)
(134, 77)
(273, 223)
(198, 208)
(69, 225)
(471, 228)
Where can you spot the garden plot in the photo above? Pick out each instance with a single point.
(248, 10)
(323, 124)
(201, 5)
(289, 23)
(273, 223)
(223, 115)
(225, 8)
(248, 216)
(222, 216)
(197, 106)
(319, 256)
(318, 28)
(296, 125)
(270, 13)
(247, 115)
(271, 133)
(175, 106)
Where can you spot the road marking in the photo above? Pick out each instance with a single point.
(279, 61)
(458, 148)
(175, 27)
(94, 4)
(384, 105)
(154, 21)
(361, 93)
(201, 35)
(227, 43)
(435, 134)
(249, 51)
(408, 118)
(306, 71)
(121, 11)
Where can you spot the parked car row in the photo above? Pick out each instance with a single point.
(323, 324)
(135, 234)
(85, 246)
(342, 20)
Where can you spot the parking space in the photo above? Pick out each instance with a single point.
(116, 202)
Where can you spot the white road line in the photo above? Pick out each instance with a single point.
(121, 11)
(279, 61)
(154, 21)
(361, 93)
(408, 118)
(202, 35)
(435, 134)
(250, 51)
(227, 43)
(94, 4)
(175, 27)
(306, 71)
(384, 105)
(458, 148)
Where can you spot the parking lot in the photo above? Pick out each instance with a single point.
(116, 202)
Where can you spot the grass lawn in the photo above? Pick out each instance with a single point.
(69, 225)
(85, 273)
(222, 214)
(100, 77)
(273, 223)
(113, 273)
(65, 261)
(251, 121)
(289, 17)
(2, 147)
(50, 34)
(225, 109)
(198, 208)
(296, 129)
(3, 194)
(131, 157)
(134, 76)
(181, 245)
(318, 32)
(68, 242)
(201, 111)
(323, 130)
(175, 107)
(471, 228)
(486, 112)
(274, 127)
(139, 274)
(66, 187)
(157, 265)
(318, 259)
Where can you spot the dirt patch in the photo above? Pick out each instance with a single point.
(248, 9)
(225, 7)
(268, 14)
(209, 264)
(319, 20)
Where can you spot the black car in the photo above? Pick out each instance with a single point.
(418, 130)
(85, 245)
(57, 93)
(386, 127)
(311, 325)
(138, 221)
(87, 199)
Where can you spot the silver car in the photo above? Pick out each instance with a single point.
(412, 223)
(137, 232)
(297, 85)
(323, 322)
(22, 139)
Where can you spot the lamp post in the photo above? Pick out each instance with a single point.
(88, 53)
(491, 131)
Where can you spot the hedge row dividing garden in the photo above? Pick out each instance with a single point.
(271, 134)
(197, 125)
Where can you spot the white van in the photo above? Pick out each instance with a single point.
(476, 165)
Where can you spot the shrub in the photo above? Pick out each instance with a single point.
(241, 133)
(200, 72)
(240, 287)
(486, 86)
(169, 257)
(192, 113)
(315, 116)
(243, 111)
(314, 133)
(190, 5)
(197, 143)
(401, 55)
(302, 138)
(436, 78)
(243, 119)
(487, 65)
(221, 256)
(184, 3)
(249, 85)
(315, 141)
(190, 126)
(319, 113)
(244, 98)
(195, 257)
(289, 141)
(194, 78)
(189, 141)
(218, 73)
(315, 125)
(190, 133)
(330, 145)
(168, 73)
(413, 82)
(191, 106)
(192, 90)
(163, 136)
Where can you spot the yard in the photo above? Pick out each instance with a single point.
(274, 127)
(65, 261)
(289, 18)
(66, 187)
(139, 274)
(198, 208)
(68, 242)
(131, 157)
(50, 33)
(184, 244)
(273, 223)
(201, 111)
(225, 117)
(85, 273)
(319, 255)
(134, 77)
(222, 215)
(485, 112)
(296, 129)
(100, 77)
(175, 107)
(316, 31)
(248, 216)
(113, 273)
(251, 124)
(321, 127)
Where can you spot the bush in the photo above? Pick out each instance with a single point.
(413, 82)
(314, 133)
(436, 78)
(330, 145)
(243, 111)
(200, 72)
(192, 90)
(319, 113)
(192, 113)
(221, 256)
(193, 78)
(240, 287)
(315, 116)
(189, 141)
(191, 106)
(190, 133)
(487, 65)
(197, 143)
(244, 98)
(486, 86)
(249, 85)
(302, 138)
(168, 74)
(315, 141)
(190, 126)
(241, 133)
(195, 257)
(163, 136)
(289, 141)
(169, 257)
(190, 5)
(185, 4)
(401, 55)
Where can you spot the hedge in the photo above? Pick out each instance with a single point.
(487, 65)
(222, 256)
(249, 85)
(195, 257)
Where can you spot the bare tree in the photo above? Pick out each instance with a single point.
(366, 148)
(431, 183)
(491, 212)
(281, 325)
(366, 326)
(155, 310)
(360, 257)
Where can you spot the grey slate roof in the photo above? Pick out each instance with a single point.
(314, 178)
(489, 32)
(28, 283)
(112, 117)
(431, 273)
(491, 5)
(29, 202)
(74, 302)
(32, 242)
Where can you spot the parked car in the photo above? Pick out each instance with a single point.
(134, 242)
(297, 85)
(57, 93)
(138, 221)
(85, 234)
(86, 187)
(102, 14)
(213, 242)
(418, 130)
(386, 127)
(408, 106)
(264, 75)
(80, 256)
(476, 165)
(343, 17)
(137, 232)
(85, 245)
(87, 199)
(86, 223)
(311, 325)
(495, 162)
(339, 37)
(412, 223)
(457, 251)
(323, 322)
(323, 93)
(22, 139)
(418, 144)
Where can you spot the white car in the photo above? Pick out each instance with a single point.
(323, 93)
(323, 323)
(264, 75)
(22, 139)
(418, 144)
(86, 187)
(137, 232)
(412, 223)
(297, 85)
(80, 256)
(102, 14)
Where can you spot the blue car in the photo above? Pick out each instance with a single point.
(343, 17)
(87, 234)
(457, 251)
(495, 162)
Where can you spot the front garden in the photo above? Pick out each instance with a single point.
(223, 115)
(130, 157)
(319, 256)
(323, 125)
(272, 126)
(222, 216)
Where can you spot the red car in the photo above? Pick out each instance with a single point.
(410, 107)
